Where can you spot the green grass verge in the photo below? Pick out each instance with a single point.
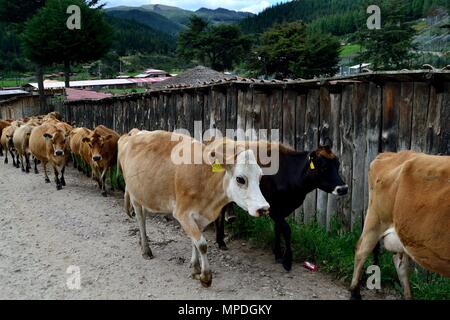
(334, 251)
(349, 50)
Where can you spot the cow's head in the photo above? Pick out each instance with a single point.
(96, 142)
(57, 138)
(323, 168)
(242, 176)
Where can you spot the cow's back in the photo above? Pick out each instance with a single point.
(37, 142)
(21, 138)
(422, 211)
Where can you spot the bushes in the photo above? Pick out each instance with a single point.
(334, 252)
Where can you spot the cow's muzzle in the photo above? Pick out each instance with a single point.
(263, 211)
(340, 190)
(59, 153)
(96, 158)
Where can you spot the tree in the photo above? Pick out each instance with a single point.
(288, 50)
(63, 45)
(389, 47)
(217, 46)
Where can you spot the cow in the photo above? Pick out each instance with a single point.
(299, 173)
(3, 125)
(194, 193)
(8, 145)
(103, 147)
(21, 140)
(76, 145)
(49, 144)
(409, 209)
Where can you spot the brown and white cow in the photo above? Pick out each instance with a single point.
(409, 208)
(8, 145)
(21, 141)
(103, 147)
(193, 193)
(49, 144)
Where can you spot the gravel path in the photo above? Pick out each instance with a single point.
(43, 232)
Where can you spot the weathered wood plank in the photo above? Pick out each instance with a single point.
(346, 130)
(433, 121)
(420, 109)
(405, 115)
(231, 111)
(359, 109)
(288, 114)
(334, 133)
(391, 101)
(444, 136)
(311, 143)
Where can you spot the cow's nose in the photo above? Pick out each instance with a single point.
(59, 153)
(341, 190)
(96, 158)
(264, 211)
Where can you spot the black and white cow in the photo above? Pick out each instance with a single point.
(299, 173)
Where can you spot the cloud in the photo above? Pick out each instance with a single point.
(241, 5)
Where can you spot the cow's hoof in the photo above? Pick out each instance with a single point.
(147, 256)
(23, 170)
(287, 264)
(59, 187)
(6, 161)
(63, 182)
(222, 246)
(355, 296)
(105, 194)
(206, 280)
(47, 180)
(36, 172)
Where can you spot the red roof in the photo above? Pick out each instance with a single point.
(148, 80)
(76, 94)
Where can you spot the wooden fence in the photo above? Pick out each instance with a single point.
(363, 115)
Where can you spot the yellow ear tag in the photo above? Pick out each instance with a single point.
(311, 165)
(217, 167)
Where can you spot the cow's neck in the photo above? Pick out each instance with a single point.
(301, 181)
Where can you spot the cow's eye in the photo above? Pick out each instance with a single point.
(240, 180)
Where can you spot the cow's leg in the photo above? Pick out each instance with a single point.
(57, 180)
(192, 230)
(13, 157)
(364, 248)
(287, 258)
(127, 206)
(1, 150)
(401, 262)
(220, 230)
(277, 248)
(103, 182)
(28, 166)
(63, 180)
(36, 171)
(6, 156)
(18, 160)
(195, 262)
(21, 162)
(145, 248)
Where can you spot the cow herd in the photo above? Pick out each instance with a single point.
(409, 193)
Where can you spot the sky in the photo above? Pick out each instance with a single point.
(254, 6)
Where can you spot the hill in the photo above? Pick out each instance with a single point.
(147, 18)
(177, 16)
(338, 17)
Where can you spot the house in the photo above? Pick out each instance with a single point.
(11, 93)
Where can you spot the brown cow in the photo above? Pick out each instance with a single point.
(409, 208)
(50, 144)
(194, 193)
(3, 125)
(76, 144)
(21, 140)
(8, 145)
(103, 145)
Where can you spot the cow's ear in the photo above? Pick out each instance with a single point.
(47, 136)
(109, 136)
(326, 144)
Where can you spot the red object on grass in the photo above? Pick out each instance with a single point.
(310, 266)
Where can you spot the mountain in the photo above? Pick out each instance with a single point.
(339, 17)
(177, 16)
(147, 18)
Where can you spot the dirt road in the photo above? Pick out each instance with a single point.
(43, 232)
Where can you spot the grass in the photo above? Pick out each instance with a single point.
(333, 252)
(349, 50)
(12, 83)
